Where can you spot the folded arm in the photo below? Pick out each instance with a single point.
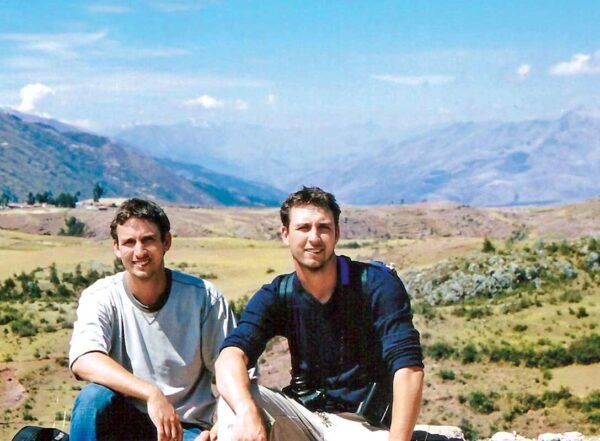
(408, 389)
(233, 384)
(99, 368)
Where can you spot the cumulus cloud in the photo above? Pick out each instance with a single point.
(421, 80)
(31, 95)
(523, 71)
(579, 64)
(206, 101)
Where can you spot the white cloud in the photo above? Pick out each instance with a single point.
(271, 99)
(26, 63)
(443, 111)
(62, 45)
(421, 80)
(31, 95)
(206, 101)
(107, 9)
(523, 71)
(240, 105)
(175, 6)
(578, 64)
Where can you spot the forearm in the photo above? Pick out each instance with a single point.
(233, 382)
(408, 389)
(99, 368)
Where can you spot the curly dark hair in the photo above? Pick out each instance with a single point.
(309, 196)
(141, 209)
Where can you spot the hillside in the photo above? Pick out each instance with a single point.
(418, 221)
(37, 157)
(521, 354)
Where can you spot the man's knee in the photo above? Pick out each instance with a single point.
(97, 397)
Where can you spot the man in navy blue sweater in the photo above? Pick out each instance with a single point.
(353, 345)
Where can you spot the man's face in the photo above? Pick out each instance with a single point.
(311, 236)
(140, 248)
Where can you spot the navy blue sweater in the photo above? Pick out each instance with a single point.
(344, 345)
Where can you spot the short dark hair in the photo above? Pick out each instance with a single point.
(140, 209)
(309, 196)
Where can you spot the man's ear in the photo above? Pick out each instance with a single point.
(167, 241)
(116, 248)
(284, 231)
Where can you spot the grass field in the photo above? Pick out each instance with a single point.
(239, 266)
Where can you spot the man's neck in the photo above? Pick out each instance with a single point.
(321, 283)
(147, 291)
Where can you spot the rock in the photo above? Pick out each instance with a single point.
(437, 433)
(572, 436)
(508, 436)
(550, 437)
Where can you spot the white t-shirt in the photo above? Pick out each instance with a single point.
(174, 347)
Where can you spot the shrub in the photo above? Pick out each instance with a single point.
(73, 227)
(440, 350)
(23, 328)
(468, 430)
(469, 354)
(581, 312)
(488, 246)
(520, 327)
(238, 305)
(480, 402)
(586, 350)
(447, 374)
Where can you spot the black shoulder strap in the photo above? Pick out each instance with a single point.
(286, 309)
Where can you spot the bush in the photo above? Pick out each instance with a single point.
(480, 402)
(238, 305)
(488, 246)
(469, 354)
(586, 350)
(447, 374)
(23, 327)
(74, 227)
(440, 350)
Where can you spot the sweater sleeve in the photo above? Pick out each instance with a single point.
(257, 324)
(393, 320)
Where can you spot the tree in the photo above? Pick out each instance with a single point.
(74, 227)
(30, 198)
(44, 198)
(98, 192)
(67, 200)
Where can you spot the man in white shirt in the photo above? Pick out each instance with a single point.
(146, 339)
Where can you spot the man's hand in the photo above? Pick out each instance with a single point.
(164, 417)
(208, 435)
(249, 426)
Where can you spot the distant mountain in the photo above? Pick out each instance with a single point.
(280, 157)
(483, 164)
(37, 157)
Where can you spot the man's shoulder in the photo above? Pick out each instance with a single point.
(186, 281)
(105, 285)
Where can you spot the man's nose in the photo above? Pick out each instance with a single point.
(313, 235)
(139, 248)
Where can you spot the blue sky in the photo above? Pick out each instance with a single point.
(298, 63)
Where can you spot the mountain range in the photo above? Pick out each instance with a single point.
(40, 155)
(477, 163)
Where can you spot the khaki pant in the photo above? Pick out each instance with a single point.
(287, 420)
